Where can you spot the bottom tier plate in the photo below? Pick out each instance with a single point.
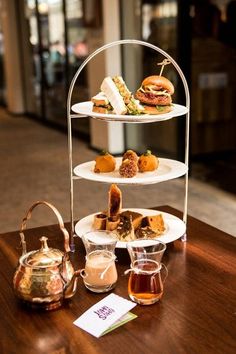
(175, 227)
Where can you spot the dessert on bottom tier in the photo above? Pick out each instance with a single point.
(127, 225)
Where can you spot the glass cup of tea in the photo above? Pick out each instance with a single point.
(145, 284)
(99, 274)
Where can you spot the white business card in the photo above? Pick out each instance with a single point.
(104, 314)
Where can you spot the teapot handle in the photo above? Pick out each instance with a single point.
(60, 221)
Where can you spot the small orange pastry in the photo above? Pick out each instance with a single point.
(148, 162)
(104, 163)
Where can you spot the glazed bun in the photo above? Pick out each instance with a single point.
(160, 82)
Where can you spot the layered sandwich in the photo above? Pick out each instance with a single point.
(155, 94)
(101, 104)
(116, 98)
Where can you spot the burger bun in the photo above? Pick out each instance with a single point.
(160, 82)
(154, 110)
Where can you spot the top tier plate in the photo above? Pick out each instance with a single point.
(86, 109)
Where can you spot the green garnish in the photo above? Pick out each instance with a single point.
(104, 152)
(161, 108)
(147, 153)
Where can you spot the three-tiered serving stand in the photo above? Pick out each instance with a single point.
(84, 109)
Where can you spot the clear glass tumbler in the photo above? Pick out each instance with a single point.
(99, 274)
(145, 284)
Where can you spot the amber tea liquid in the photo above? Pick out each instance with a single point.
(145, 284)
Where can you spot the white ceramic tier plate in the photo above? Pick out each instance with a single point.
(167, 169)
(86, 109)
(175, 227)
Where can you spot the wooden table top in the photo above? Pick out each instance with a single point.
(197, 313)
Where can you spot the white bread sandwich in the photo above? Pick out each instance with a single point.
(101, 104)
(108, 87)
(116, 98)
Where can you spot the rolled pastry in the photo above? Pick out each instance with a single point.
(112, 222)
(114, 201)
(99, 222)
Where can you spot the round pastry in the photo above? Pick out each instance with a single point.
(105, 163)
(148, 162)
(130, 155)
(99, 222)
(128, 168)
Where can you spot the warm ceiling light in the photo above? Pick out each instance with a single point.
(43, 8)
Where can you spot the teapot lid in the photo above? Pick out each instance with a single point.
(44, 257)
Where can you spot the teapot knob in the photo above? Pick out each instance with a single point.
(44, 246)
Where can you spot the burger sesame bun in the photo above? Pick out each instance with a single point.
(160, 82)
(157, 109)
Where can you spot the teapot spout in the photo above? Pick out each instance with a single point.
(71, 287)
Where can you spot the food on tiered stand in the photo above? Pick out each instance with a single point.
(128, 168)
(131, 164)
(101, 104)
(112, 222)
(136, 218)
(100, 221)
(127, 224)
(116, 98)
(130, 155)
(147, 162)
(155, 94)
(105, 162)
(114, 201)
(152, 98)
(125, 229)
(151, 226)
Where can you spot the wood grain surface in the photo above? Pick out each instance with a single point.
(197, 313)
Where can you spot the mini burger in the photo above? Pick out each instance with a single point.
(116, 98)
(155, 94)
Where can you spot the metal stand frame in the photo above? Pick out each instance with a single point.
(69, 116)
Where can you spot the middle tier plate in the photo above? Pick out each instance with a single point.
(167, 169)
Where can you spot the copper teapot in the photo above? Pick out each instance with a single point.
(45, 277)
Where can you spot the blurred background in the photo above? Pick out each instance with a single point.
(43, 43)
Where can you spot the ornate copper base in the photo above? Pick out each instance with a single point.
(43, 306)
